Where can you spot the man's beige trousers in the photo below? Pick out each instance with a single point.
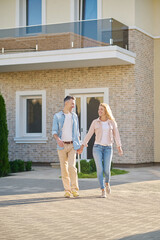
(67, 157)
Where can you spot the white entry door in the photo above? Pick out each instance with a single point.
(87, 103)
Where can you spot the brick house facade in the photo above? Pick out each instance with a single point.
(130, 87)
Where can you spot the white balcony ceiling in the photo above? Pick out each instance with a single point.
(69, 58)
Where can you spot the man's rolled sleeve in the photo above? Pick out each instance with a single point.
(55, 125)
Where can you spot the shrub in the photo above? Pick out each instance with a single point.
(89, 167)
(20, 165)
(28, 166)
(111, 166)
(92, 165)
(4, 162)
(13, 166)
(85, 166)
(17, 166)
(77, 165)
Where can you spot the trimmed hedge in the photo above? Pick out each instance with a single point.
(28, 166)
(19, 165)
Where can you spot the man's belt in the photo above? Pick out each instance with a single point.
(68, 142)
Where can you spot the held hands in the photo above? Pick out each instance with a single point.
(120, 151)
(79, 151)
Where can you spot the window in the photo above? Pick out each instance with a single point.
(34, 12)
(88, 9)
(85, 9)
(34, 115)
(34, 15)
(30, 12)
(31, 117)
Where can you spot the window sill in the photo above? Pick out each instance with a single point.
(31, 140)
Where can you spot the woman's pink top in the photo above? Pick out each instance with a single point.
(96, 127)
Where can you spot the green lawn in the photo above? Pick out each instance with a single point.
(94, 174)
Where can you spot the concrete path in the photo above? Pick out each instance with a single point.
(32, 207)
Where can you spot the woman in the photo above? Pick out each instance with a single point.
(105, 129)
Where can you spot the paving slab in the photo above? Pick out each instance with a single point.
(32, 207)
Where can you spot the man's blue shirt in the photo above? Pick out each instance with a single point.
(58, 121)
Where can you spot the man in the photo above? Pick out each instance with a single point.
(66, 132)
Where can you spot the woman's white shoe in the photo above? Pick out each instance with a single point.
(103, 194)
(108, 189)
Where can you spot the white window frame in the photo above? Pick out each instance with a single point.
(21, 13)
(21, 135)
(25, 134)
(104, 91)
(74, 10)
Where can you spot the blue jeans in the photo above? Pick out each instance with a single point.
(103, 157)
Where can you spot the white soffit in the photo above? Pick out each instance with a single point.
(70, 58)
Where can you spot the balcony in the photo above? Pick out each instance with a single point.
(68, 45)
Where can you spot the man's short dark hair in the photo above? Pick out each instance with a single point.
(67, 98)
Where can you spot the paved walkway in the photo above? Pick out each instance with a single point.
(32, 207)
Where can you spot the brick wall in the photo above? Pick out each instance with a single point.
(143, 46)
(118, 79)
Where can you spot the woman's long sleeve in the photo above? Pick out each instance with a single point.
(89, 135)
(116, 135)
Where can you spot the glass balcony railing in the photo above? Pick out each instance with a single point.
(81, 34)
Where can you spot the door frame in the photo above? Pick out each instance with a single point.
(104, 91)
(74, 10)
(89, 91)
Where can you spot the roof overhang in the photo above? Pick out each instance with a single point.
(68, 58)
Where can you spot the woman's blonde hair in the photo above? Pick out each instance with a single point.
(108, 111)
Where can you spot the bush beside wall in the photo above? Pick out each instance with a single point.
(87, 166)
(4, 162)
(19, 165)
